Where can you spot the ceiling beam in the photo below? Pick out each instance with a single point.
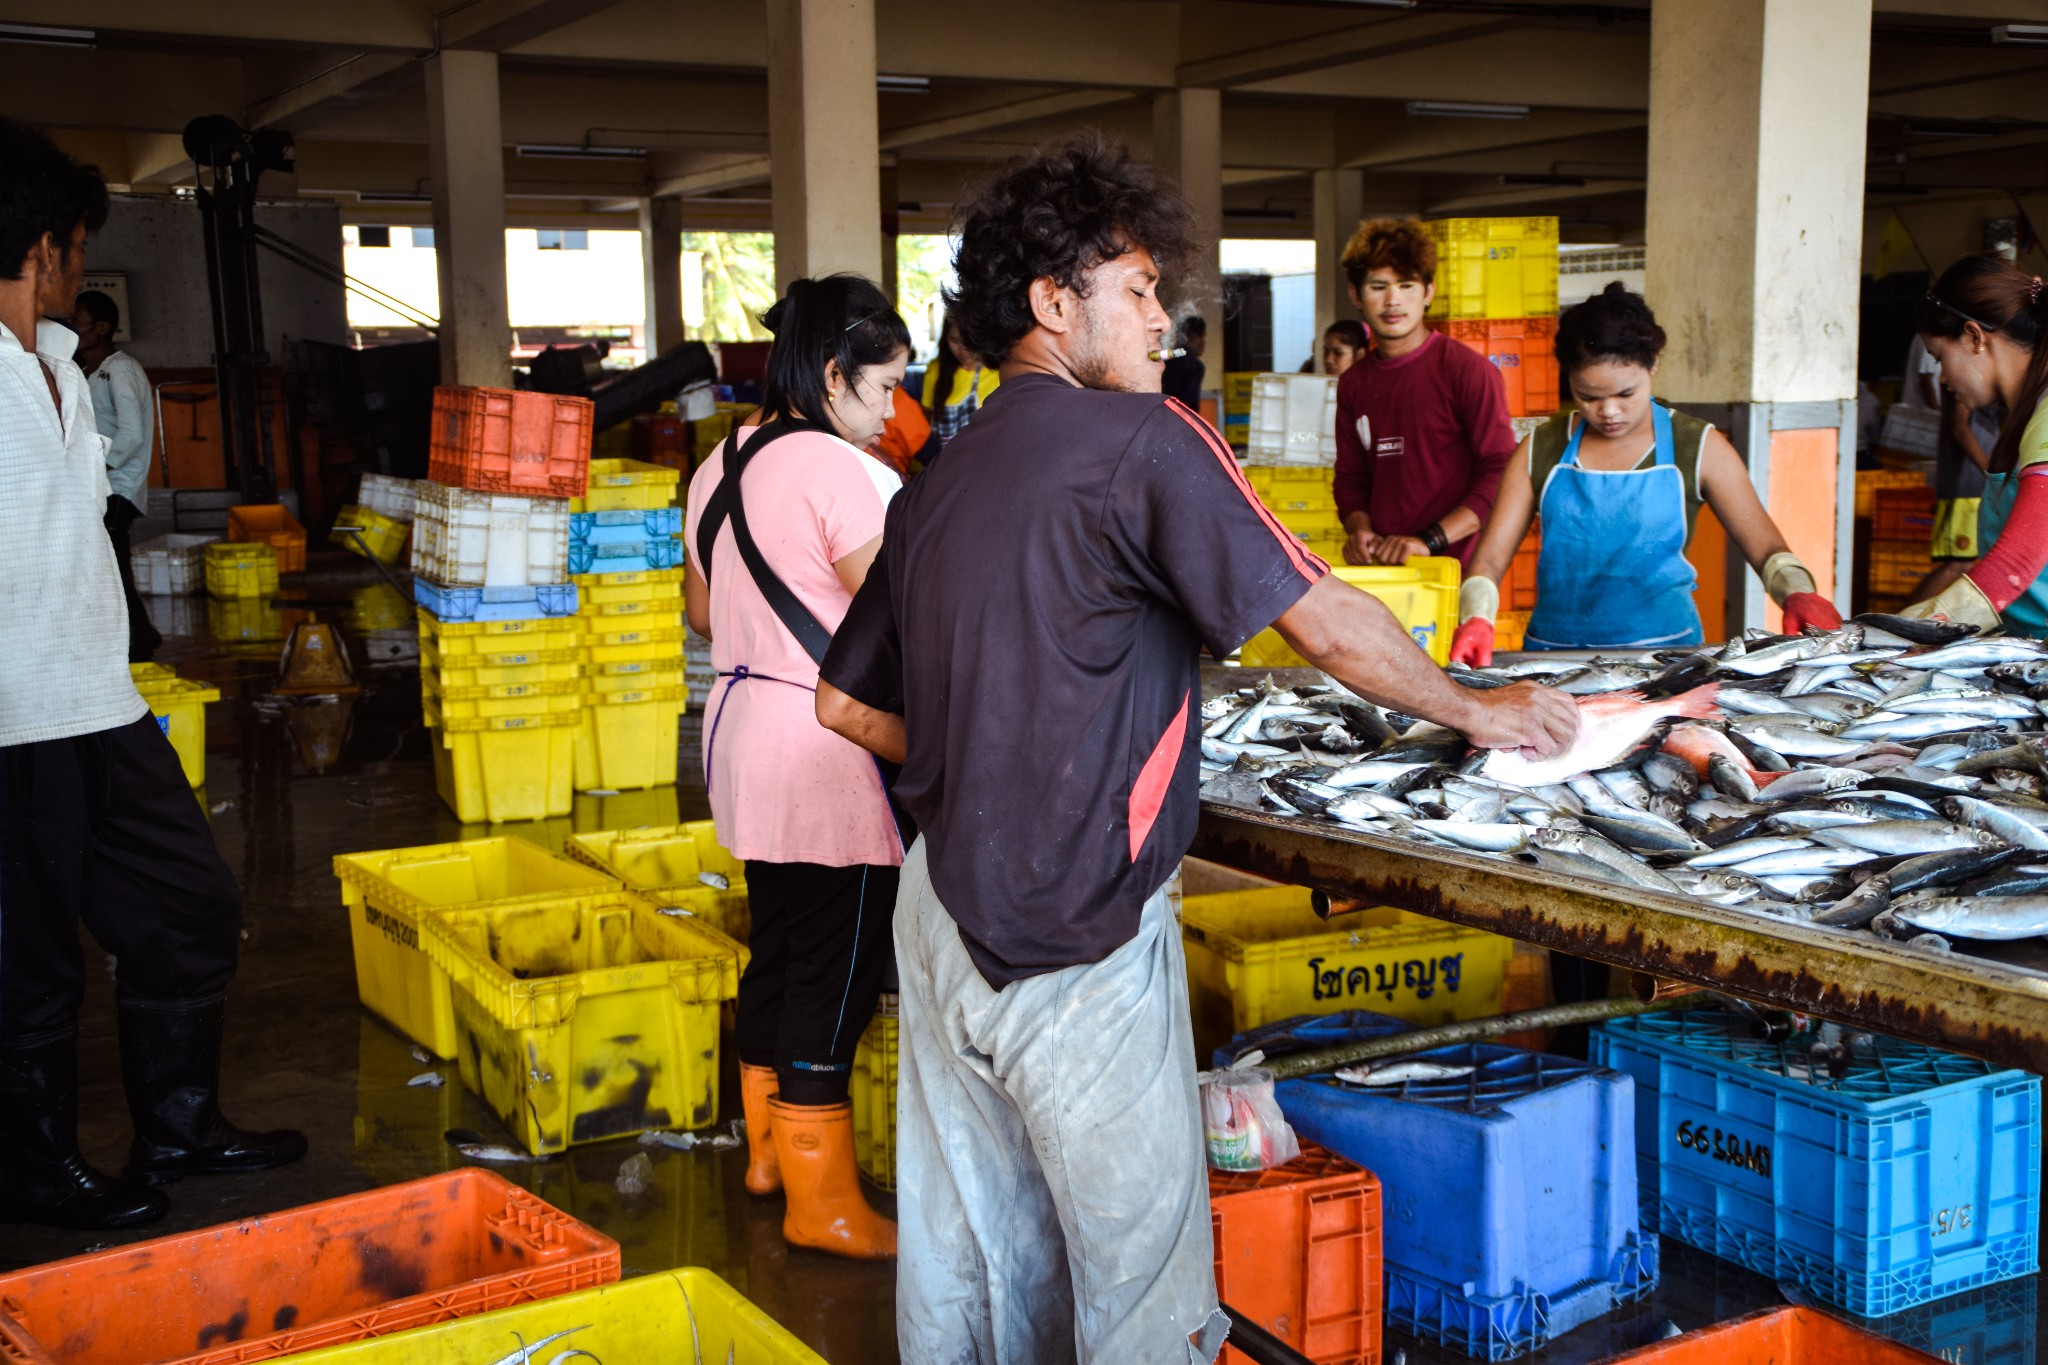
(350, 74)
(1405, 140)
(501, 25)
(1510, 196)
(732, 175)
(1054, 105)
(1362, 42)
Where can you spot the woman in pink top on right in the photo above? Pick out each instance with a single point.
(805, 809)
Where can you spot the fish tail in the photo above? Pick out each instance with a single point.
(1699, 704)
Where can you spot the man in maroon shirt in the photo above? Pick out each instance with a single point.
(1422, 422)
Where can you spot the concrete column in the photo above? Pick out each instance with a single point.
(824, 139)
(466, 157)
(1339, 208)
(892, 229)
(1755, 225)
(1187, 143)
(661, 257)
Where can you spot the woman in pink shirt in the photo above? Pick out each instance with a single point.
(804, 808)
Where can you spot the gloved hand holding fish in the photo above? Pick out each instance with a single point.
(1886, 776)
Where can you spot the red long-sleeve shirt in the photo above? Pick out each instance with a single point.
(1437, 423)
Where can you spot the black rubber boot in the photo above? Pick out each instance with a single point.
(170, 1059)
(43, 1179)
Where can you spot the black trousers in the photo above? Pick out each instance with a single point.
(102, 829)
(143, 637)
(820, 946)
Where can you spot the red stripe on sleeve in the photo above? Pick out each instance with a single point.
(1309, 565)
(1148, 793)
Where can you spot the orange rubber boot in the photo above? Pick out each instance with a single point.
(757, 1088)
(826, 1210)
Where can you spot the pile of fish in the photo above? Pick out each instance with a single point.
(1886, 777)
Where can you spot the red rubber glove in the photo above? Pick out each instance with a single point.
(1803, 609)
(1473, 644)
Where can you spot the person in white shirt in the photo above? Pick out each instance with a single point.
(120, 408)
(97, 824)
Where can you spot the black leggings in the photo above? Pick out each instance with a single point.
(820, 946)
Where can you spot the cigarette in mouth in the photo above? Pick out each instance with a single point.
(1174, 354)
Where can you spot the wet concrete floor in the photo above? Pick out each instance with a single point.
(291, 784)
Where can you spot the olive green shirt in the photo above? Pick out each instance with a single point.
(1688, 437)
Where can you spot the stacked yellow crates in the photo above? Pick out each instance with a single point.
(1291, 454)
(626, 553)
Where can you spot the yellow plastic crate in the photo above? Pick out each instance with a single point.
(1260, 955)
(632, 647)
(384, 537)
(627, 740)
(646, 675)
(179, 706)
(662, 863)
(1510, 631)
(1495, 267)
(1422, 594)
(236, 568)
(596, 812)
(671, 1317)
(1309, 521)
(498, 701)
(586, 1018)
(539, 634)
(628, 485)
(497, 668)
(238, 620)
(508, 768)
(1237, 392)
(390, 893)
(1869, 481)
(874, 1097)
(638, 590)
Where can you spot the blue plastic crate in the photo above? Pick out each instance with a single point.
(1510, 1193)
(1994, 1325)
(624, 556)
(1915, 1175)
(605, 528)
(494, 604)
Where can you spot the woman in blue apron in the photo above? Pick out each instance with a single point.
(1984, 321)
(1619, 480)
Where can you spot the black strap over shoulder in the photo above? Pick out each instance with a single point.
(727, 502)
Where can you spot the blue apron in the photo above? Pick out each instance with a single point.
(1612, 573)
(2028, 614)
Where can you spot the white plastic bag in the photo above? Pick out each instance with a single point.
(1242, 1121)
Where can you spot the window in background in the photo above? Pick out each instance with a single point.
(423, 239)
(728, 282)
(924, 265)
(373, 236)
(562, 239)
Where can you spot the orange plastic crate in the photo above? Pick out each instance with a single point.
(1897, 566)
(1518, 584)
(448, 1246)
(1902, 514)
(505, 441)
(1522, 350)
(1298, 1252)
(270, 524)
(1779, 1336)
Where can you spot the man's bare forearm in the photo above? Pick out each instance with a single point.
(1352, 636)
(881, 733)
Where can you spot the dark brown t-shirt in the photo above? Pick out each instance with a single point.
(1037, 615)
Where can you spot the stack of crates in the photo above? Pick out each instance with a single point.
(1298, 1252)
(1496, 292)
(1237, 410)
(382, 516)
(1901, 544)
(626, 553)
(1290, 455)
(500, 668)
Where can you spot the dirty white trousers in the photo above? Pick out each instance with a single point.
(1052, 1193)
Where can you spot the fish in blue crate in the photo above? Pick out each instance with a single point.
(1874, 1174)
(1509, 1180)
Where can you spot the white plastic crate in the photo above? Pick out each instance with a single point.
(465, 539)
(389, 496)
(1911, 430)
(172, 565)
(1294, 420)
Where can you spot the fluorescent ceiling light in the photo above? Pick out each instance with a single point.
(904, 85)
(45, 36)
(1463, 109)
(576, 151)
(391, 197)
(2027, 35)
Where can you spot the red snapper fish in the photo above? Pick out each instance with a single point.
(1610, 724)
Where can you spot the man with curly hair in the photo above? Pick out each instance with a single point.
(1026, 645)
(1422, 422)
